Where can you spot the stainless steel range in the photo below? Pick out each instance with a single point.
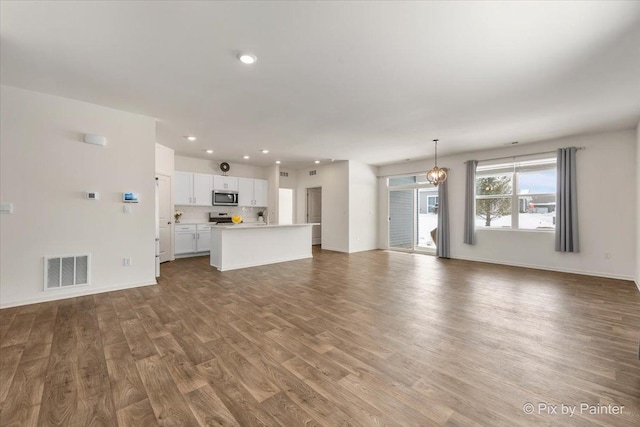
(220, 218)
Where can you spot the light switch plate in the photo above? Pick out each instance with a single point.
(126, 209)
(6, 208)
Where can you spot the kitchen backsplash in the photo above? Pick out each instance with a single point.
(198, 214)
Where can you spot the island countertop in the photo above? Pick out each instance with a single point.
(252, 244)
(258, 225)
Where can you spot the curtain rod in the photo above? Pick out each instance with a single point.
(485, 160)
(523, 155)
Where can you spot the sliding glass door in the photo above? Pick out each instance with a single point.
(427, 218)
(401, 208)
(413, 214)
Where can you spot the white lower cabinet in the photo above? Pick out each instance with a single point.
(185, 241)
(203, 238)
(192, 238)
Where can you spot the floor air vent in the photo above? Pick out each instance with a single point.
(66, 271)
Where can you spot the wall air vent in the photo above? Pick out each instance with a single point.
(66, 271)
(312, 172)
(284, 173)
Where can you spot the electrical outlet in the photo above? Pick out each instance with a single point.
(126, 262)
(607, 255)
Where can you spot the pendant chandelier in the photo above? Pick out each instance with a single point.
(436, 175)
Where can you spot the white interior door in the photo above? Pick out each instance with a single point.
(165, 214)
(314, 213)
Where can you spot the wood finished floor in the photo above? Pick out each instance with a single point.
(374, 338)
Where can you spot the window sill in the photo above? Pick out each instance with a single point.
(522, 230)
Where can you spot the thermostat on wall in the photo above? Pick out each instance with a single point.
(92, 195)
(130, 197)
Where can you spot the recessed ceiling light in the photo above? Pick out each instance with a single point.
(278, 162)
(191, 138)
(210, 151)
(245, 157)
(247, 58)
(265, 151)
(316, 162)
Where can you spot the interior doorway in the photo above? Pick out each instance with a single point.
(285, 206)
(165, 218)
(314, 213)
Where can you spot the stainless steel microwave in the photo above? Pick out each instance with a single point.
(225, 198)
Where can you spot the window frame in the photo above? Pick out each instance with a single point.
(416, 187)
(518, 165)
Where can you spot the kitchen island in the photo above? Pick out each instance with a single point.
(250, 245)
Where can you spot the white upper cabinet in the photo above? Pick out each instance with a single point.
(192, 189)
(252, 192)
(228, 183)
(245, 192)
(183, 188)
(202, 187)
(261, 191)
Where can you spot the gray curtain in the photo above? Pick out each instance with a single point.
(567, 202)
(470, 204)
(442, 245)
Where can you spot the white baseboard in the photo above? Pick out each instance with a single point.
(637, 284)
(87, 290)
(547, 268)
(329, 248)
(274, 261)
(190, 255)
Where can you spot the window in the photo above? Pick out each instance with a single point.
(517, 194)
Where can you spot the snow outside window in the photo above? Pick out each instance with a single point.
(519, 193)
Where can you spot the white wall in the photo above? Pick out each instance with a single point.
(606, 203)
(289, 181)
(45, 168)
(363, 207)
(637, 213)
(334, 180)
(192, 164)
(165, 160)
(272, 174)
(383, 212)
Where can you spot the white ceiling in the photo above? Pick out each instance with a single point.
(367, 81)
